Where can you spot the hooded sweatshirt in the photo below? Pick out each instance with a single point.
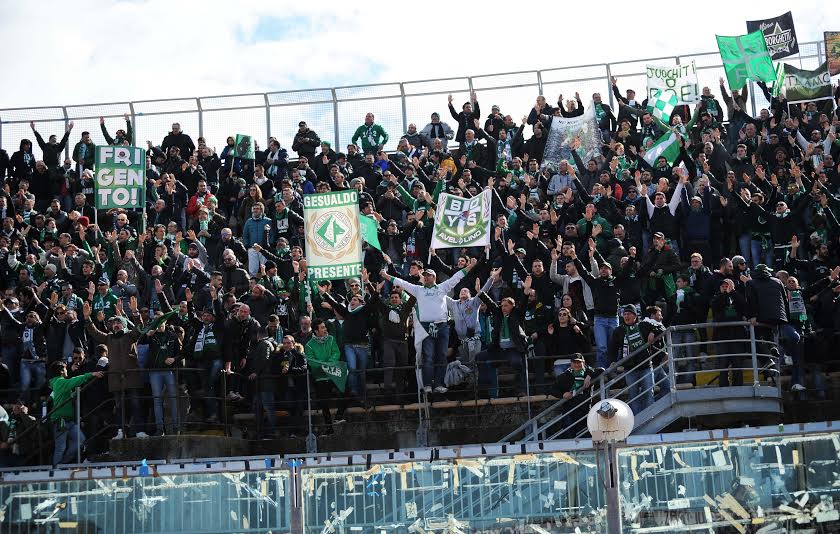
(62, 389)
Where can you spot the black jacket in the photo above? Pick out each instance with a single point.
(604, 291)
(52, 152)
(306, 148)
(183, 141)
(517, 333)
(22, 163)
(766, 300)
(615, 348)
(465, 120)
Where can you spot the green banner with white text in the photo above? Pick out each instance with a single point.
(120, 178)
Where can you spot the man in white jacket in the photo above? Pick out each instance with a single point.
(433, 313)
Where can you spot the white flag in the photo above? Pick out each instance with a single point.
(462, 222)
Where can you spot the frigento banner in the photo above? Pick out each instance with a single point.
(807, 85)
(679, 80)
(779, 35)
(333, 238)
(120, 180)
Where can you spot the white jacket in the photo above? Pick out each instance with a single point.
(431, 301)
(564, 280)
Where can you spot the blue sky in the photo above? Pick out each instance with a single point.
(191, 48)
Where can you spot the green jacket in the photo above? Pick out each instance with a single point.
(325, 351)
(602, 238)
(372, 136)
(62, 389)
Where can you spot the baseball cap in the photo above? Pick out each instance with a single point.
(429, 272)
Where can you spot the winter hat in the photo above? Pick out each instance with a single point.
(762, 271)
(738, 260)
(629, 308)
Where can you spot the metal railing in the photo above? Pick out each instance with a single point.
(336, 112)
(679, 356)
(661, 370)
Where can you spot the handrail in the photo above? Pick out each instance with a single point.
(531, 428)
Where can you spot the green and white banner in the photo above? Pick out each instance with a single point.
(462, 222)
(661, 104)
(244, 147)
(678, 80)
(333, 238)
(807, 85)
(120, 180)
(745, 57)
(667, 146)
(335, 372)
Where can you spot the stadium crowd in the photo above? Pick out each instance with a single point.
(587, 257)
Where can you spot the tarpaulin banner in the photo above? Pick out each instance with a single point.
(565, 130)
(333, 238)
(807, 85)
(462, 222)
(120, 180)
(679, 80)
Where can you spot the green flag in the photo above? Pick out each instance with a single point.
(662, 104)
(745, 57)
(244, 147)
(155, 324)
(780, 79)
(370, 231)
(668, 146)
(336, 372)
(120, 179)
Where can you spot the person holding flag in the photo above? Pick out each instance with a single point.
(323, 358)
(431, 324)
(165, 342)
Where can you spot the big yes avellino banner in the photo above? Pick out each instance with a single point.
(120, 178)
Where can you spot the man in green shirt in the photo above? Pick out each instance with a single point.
(68, 436)
(322, 348)
(373, 136)
(103, 299)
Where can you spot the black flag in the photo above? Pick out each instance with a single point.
(779, 35)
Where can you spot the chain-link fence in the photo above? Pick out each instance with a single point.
(335, 113)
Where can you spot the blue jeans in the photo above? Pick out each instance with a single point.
(434, 357)
(143, 359)
(760, 255)
(639, 388)
(67, 438)
(791, 341)
(210, 385)
(488, 375)
(160, 380)
(33, 375)
(680, 355)
(604, 327)
(745, 247)
(357, 359)
(660, 378)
